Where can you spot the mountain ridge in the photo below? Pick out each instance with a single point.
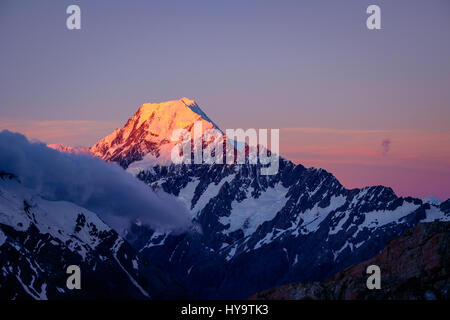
(309, 225)
(298, 215)
(149, 133)
(427, 279)
(100, 149)
(39, 239)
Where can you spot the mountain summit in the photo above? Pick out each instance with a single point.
(146, 137)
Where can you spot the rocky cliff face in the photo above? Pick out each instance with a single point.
(413, 266)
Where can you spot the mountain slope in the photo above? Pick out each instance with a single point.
(39, 239)
(251, 232)
(148, 133)
(303, 219)
(414, 266)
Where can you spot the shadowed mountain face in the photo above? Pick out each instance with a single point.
(413, 266)
(250, 232)
(39, 239)
(254, 232)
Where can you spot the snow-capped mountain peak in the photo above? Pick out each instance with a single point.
(432, 200)
(63, 148)
(191, 104)
(147, 135)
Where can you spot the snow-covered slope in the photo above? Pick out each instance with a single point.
(146, 138)
(40, 238)
(63, 148)
(432, 200)
(298, 225)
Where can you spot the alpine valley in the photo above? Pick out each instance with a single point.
(250, 232)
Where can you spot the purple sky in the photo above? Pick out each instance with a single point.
(263, 64)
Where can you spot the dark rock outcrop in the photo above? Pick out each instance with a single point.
(414, 266)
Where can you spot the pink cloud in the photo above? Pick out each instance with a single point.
(69, 132)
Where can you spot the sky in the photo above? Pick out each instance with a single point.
(372, 107)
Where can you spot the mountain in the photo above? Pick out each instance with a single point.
(63, 148)
(39, 239)
(428, 244)
(254, 232)
(432, 200)
(145, 140)
(250, 232)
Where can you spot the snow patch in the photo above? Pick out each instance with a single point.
(313, 217)
(211, 191)
(187, 193)
(250, 213)
(432, 200)
(434, 214)
(380, 218)
(2, 238)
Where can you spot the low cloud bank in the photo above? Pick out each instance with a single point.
(105, 188)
